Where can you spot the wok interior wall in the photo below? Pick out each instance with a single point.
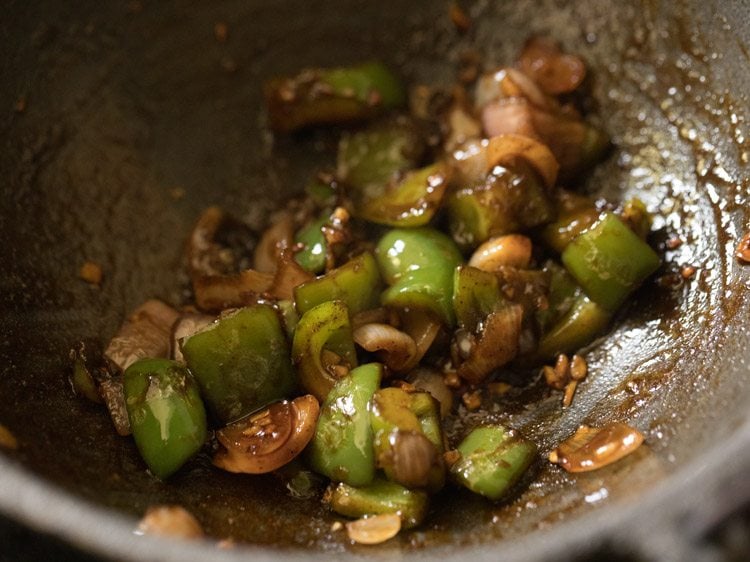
(136, 118)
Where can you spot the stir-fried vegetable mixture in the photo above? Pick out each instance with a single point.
(445, 249)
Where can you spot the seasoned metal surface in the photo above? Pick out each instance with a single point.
(136, 118)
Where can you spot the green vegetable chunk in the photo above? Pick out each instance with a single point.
(476, 294)
(371, 159)
(166, 413)
(609, 261)
(321, 190)
(563, 231)
(289, 316)
(584, 321)
(325, 327)
(241, 362)
(380, 497)
(411, 202)
(418, 265)
(563, 292)
(312, 257)
(335, 95)
(342, 448)
(408, 438)
(492, 460)
(357, 283)
(509, 200)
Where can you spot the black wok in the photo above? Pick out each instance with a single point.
(129, 104)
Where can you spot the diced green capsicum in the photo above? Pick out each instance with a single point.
(325, 327)
(241, 362)
(509, 200)
(609, 261)
(289, 316)
(577, 328)
(563, 291)
(335, 95)
(357, 283)
(322, 190)
(413, 201)
(418, 265)
(166, 413)
(371, 159)
(312, 256)
(342, 448)
(492, 460)
(559, 234)
(408, 438)
(476, 294)
(379, 497)
(85, 356)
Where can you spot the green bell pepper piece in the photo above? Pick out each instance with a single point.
(335, 95)
(241, 362)
(342, 447)
(322, 191)
(166, 413)
(380, 497)
(371, 159)
(418, 265)
(575, 329)
(476, 294)
(86, 356)
(509, 200)
(325, 327)
(411, 202)
(365, 80)
(609, 261)
(357, 283)
(408, 419)
(312, 257)
(492, 460)
(563, 292)
(289, 317)
(567, 227)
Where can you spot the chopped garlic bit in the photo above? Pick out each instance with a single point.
(565, 375)
(374, 529)
(91, 273)
(7, 439)
(171, 521)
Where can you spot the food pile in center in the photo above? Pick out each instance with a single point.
(441, 253)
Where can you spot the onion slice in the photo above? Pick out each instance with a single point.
(273, 240)
(511, 83)
(474, 160)
(146, 333)
(185, 326)
(554, 71)
(433, 382)
(289, 274)
(219, 292)
(268, 439)
(504, 149)
(497, 345)
(396, 348)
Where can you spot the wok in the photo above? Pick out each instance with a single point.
(129, 105)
